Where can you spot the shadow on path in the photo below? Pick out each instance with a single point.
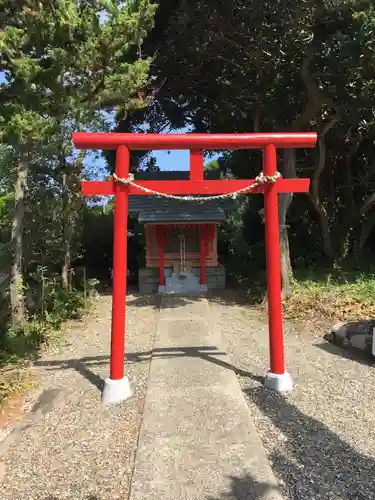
(83, 365)
(247, 488)
(354, 355)
(225, 297)
(315, 463)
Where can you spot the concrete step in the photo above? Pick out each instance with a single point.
(197, 440)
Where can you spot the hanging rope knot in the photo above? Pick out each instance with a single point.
(124, 182)
(263, 179)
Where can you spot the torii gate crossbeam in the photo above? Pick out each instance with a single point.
(117, 388)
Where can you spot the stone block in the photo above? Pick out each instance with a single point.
(216, 277)
(148, 288)
(356, 335)
(148, 278)
(147, 272)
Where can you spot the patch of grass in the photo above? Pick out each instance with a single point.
(15, 381)
(322, 297)
(16, 347)
(40, 329)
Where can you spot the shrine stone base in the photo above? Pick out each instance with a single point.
(148, 278)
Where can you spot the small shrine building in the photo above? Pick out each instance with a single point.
(181, 240)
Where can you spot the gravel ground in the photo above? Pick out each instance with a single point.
(320, 438)
(72, 448)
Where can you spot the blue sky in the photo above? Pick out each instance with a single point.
(172, 160)
(166, 160)
(175, 159)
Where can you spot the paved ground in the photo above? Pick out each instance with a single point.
(71, 448)
(320, 439)
(197, 436)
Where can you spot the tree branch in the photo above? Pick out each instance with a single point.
(315, 98)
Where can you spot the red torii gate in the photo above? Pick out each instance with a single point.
(117, 388)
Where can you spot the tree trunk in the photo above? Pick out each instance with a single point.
(315, 185)
(345, 227)
(366, 228)
(285, 200)
(66, 234)
(286, 266)
(314, 103)
(16, 282)
(325, 231)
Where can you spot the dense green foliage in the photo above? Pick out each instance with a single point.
(270, 66)
(64, 66)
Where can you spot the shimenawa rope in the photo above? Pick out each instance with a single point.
(260, 180)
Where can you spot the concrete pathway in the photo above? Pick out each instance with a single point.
(197, 440)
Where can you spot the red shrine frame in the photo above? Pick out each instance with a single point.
(123, 143)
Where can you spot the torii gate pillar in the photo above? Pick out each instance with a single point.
(116, 387)
(277, 378)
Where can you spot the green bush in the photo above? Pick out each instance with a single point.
(50, 306)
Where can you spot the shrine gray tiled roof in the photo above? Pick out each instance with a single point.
(154, 209)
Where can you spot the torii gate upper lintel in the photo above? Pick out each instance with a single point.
(117, 388)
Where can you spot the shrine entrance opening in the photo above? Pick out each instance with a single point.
(123, 185)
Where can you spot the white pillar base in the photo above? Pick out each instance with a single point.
(278, 382)
(204, 288)
(116, 391)
(161, 289)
